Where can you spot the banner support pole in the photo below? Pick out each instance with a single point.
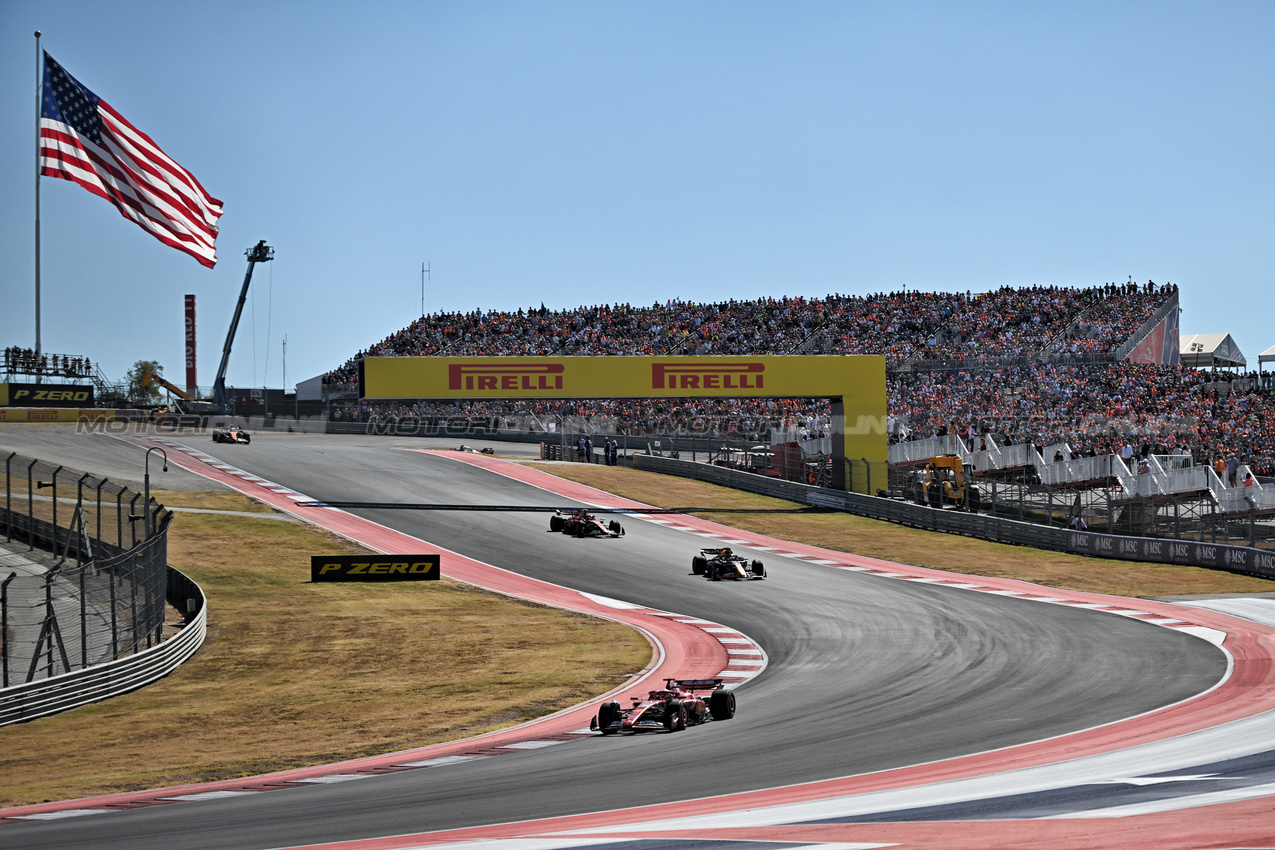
(39, 87)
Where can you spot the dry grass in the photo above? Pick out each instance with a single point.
(877, 539)
(211, 501)
(295, 673)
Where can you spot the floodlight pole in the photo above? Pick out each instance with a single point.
(146, 506)
(424, 272)
(39, 89)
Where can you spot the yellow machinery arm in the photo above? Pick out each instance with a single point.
(149, 377)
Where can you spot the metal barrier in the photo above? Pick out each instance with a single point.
(43, 697)
(82, 609)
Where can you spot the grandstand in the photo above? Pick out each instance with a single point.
(1032, 381)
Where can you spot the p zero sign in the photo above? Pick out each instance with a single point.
(854, 384)
(50, 395)
(375, 568)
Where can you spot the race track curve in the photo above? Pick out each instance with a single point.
(867, 675)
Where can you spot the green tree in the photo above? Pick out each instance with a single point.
(142, 390)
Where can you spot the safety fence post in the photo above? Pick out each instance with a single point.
(132, 520)
(4, 625)
(100, 485)
(31, 506)
(54, 485)
(84, 621)
(119, 519)
(8, 498)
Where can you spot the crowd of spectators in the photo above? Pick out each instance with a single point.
(750, 419)
(1016, 324)
(1096, 409)
(1007, 362)
(25, 361)
(1106, 326)
(904, 325)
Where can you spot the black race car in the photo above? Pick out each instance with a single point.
(231, 434)
(718, 564)
(671, 709)
(581, 523)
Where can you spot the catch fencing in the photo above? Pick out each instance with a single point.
(81, 583)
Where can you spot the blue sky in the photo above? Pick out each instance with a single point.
(587, 152)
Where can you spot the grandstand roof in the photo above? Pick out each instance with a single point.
(1211, 351)
(1267, 356)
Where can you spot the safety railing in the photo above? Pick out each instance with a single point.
(84, 591)
(1196, 542)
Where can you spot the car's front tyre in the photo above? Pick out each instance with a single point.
(608, 714)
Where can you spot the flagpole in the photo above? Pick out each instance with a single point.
(39, 86)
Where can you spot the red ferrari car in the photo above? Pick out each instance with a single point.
(581, 523)
(678, 705)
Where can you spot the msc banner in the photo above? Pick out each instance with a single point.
(375, 568)
(855, 384)
(1216, 556)
(48, 395)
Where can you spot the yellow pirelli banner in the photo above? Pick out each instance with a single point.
(54, 414)
(855, 384)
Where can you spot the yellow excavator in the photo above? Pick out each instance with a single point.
(945, 480)
(149, 377)
(163, 413)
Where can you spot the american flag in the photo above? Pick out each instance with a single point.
(84, 140)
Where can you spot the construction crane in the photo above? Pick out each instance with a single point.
(262, 253)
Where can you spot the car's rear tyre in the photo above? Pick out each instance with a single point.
(675, 716)
(608, 713)
(759, 569)
(721, 704)
(714, 573)
(699, 565)
(556, 522)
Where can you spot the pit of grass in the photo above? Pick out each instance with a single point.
(875, 538)
(295, 673)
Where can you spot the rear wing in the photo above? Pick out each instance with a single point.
(693, 684)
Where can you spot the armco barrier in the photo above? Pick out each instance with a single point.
(43, 697)
(1237, 559)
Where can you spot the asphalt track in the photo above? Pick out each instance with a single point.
(865, 673)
